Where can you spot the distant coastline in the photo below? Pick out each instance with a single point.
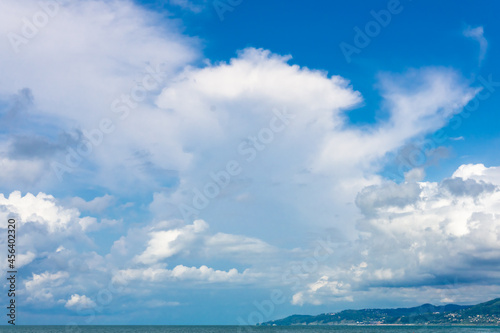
(483, 314)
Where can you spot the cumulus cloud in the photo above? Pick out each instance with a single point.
(41, 286)
(170, 240)
(388, 195)
(41, 209)
(478, 172)
(469, 187)
(114, 45)
(50, 236)
(420, 236)
(181, 273)
(323, 290)
(79, 302)
(331, 160)
(164, 244)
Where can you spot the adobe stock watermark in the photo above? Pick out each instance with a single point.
(31, 26)
(223, 6)
(422, 151)
(363, 37)
(122, 108)
(295, 274)
(249, 149)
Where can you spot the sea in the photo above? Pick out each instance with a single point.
(250, 329)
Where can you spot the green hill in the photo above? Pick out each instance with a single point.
(487, 313)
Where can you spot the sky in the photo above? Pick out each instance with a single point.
(234, 161)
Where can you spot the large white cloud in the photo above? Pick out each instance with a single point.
(317, 164)
(78, 67)
(314, 162)
(421, 236)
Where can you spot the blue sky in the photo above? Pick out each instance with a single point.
(229, 162)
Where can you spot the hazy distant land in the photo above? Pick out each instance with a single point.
(487, 313)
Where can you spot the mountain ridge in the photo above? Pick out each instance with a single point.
(486, 313)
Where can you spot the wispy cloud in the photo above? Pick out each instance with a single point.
(194, 6)
(478, 35)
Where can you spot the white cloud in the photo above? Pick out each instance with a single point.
(323, 290)
(44, 210)
(17, 173)
(415, 175)
(49, 236)
(202, 274)
(468, 187)
(79, 302)
(164, 244)
(96, 205)
(234, 244)
(105, 56)
(169, 242)
(478, 35)
(24, 259)
(40, 287)
(165, 241)
(388, 195)
(417, 237)
(158, 304)
(38, 280)
(41, 209)
(318, 163)
(195, 6)
(478, 172)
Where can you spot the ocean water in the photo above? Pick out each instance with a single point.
(248, 329)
